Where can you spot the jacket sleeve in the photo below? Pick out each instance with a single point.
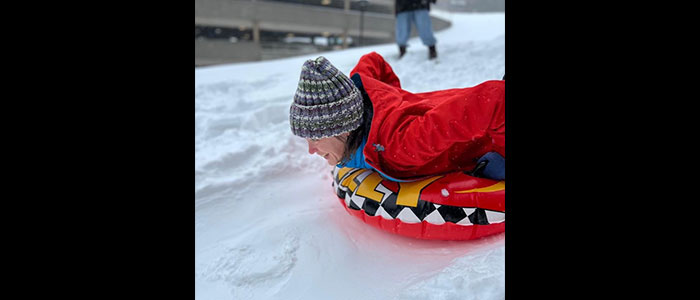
(373, 65)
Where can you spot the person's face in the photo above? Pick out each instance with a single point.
(331, 148)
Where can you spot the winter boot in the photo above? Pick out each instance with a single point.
(402, 51)
(433, 52)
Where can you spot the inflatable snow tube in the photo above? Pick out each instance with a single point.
(455, 206)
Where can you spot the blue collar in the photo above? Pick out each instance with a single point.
(357, 160)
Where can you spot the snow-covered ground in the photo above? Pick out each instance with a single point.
(267, 223)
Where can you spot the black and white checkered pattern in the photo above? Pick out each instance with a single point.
(424, 211)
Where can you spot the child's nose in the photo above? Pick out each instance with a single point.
(312, 149)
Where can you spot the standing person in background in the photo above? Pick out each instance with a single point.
(414, 11)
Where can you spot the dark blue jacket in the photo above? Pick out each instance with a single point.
(408, 5)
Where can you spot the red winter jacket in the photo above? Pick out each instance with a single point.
(415, 135)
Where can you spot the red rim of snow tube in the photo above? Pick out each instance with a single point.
(455, 206)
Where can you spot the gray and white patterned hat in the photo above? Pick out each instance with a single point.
(326, 102)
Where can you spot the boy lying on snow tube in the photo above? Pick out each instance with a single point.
(368, 121)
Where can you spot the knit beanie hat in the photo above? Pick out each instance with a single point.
(326, 102)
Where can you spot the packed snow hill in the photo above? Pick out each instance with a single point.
(267, 222)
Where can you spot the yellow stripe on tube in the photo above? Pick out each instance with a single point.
(499, 186)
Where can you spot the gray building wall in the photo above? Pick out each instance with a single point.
(292, 17)
(472, 5)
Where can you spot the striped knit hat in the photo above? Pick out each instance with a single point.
(326, 102)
